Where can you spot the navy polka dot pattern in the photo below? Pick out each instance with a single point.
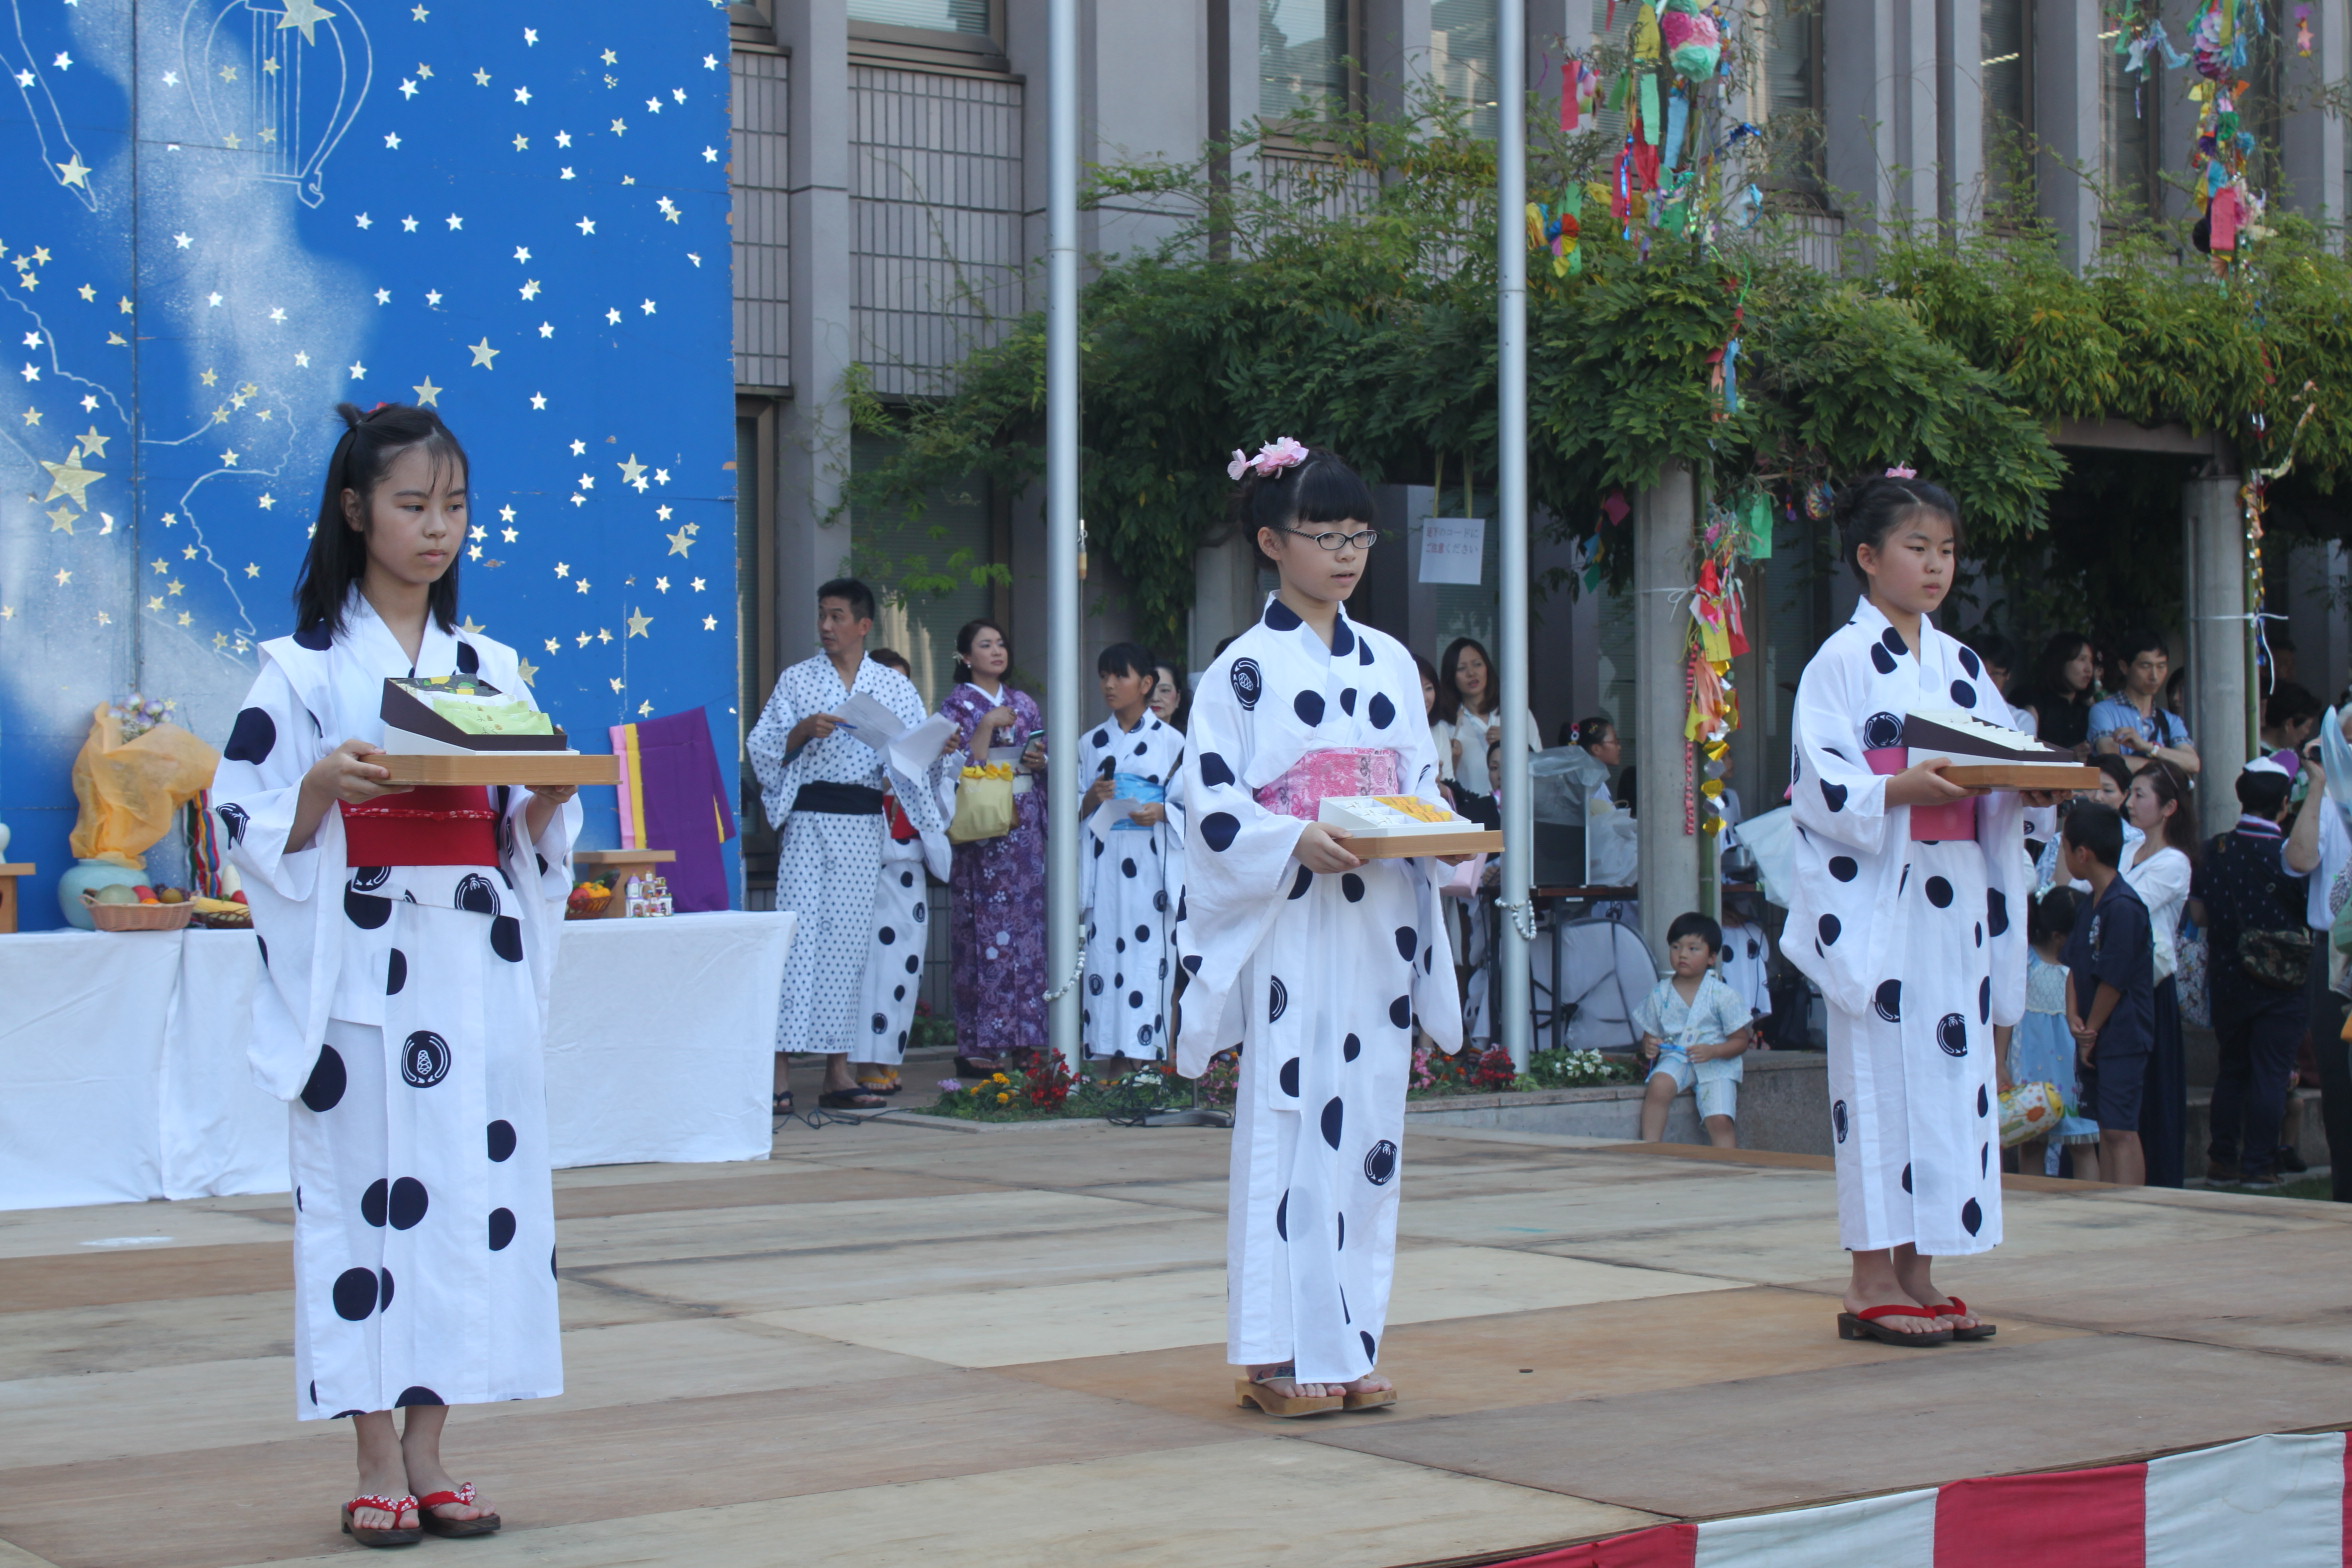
(506, 938)
(1888, 1003)
(1309, 707)
(1380, 711)
(1334, 1120)
(1300, 883)
(395, 973)
(501, 1139)
(502, 1229)
(355, 1294)
(1214, 770)
(1218, 828)
(1351, 887)
(408, 1204)
(328, 1079)
(1844, 867)
(252, 738)
(233, 821)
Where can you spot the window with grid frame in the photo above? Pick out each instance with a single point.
(1792, 99)
(2006, 71)
(1307, 58)
(970, 17)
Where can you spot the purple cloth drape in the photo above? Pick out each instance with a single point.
(686, 805)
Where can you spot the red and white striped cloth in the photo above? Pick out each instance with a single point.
(2268, 1502)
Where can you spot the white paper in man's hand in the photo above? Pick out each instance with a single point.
(868, 721)
(913, 752)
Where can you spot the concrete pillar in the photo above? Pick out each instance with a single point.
(2311, 142)
(1879, 109)
(1396, 55)
(813, 463)
(2067, 54)
(1225, 596)
(1960, 113)
(2220, 701)
(1665, 526)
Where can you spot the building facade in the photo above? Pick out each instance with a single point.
(889, 171)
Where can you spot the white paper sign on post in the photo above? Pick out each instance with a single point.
(1453, 550)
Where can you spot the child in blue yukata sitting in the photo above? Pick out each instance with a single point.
(1694, 1029)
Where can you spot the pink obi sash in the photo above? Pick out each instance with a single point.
(1341, 770)
(1954, 819)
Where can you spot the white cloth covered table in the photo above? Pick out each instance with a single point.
(123, 1074)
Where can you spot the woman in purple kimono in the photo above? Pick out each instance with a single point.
(999, 883)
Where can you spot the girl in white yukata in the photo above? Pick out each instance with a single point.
(1316, 963)
(1133, 873)
(1909, 914)
(409, 937)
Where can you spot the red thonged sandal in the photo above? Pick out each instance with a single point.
(1865, 1324)
(455, 1529)
(1954, 1307)
(407, 1535)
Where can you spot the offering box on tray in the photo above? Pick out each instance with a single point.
(1983, 755)
(460, 729)
(1389, 827)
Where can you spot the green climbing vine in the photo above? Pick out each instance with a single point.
(1353, 305)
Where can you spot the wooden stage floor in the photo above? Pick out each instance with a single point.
(897, 1343)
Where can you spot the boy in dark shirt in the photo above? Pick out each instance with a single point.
(2244, 884)
(2112, 1005)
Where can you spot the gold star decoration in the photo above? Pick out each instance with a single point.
(94, 444)
(32, 416)
(470, 628)
(156, 604)
(209, 377)
(553, 645)
(710, 623)
(662, 584)
(220, 640)
(71, 478)
(528, 671)
(63, 577)
(483, 353)
(631, 469)
(186, 618)
(305, 14)
(175, 587)
(427, 394)
(681, 542)
(645, 710)
(638, 621)
(75, 172)
(616, 685)
(252, 570)
(88, 293)
(61, 518)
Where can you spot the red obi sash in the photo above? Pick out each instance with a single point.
(1954, 819)
(432, 825)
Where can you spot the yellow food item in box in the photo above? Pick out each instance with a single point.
(514, 717)
(1415, 806)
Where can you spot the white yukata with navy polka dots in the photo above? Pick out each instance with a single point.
(1918, 947)
(1133, 877)
(1319, 978)
(404, 1019)
(830, 867)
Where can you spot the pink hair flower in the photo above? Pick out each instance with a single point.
(1272, 459)
(1902, 471)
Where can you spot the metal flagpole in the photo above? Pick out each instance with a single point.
(1061, 526)
(1516, 931)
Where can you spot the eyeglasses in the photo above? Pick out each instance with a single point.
(1362, 538)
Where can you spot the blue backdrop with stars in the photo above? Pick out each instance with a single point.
(219, 218)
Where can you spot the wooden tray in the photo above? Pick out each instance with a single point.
(1469, 841)
(553, 767)
(2024, 775)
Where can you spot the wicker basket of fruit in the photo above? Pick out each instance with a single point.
(588, 901)
(223, 914)
(126, 911)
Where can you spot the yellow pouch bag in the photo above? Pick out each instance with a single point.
(984, 804)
